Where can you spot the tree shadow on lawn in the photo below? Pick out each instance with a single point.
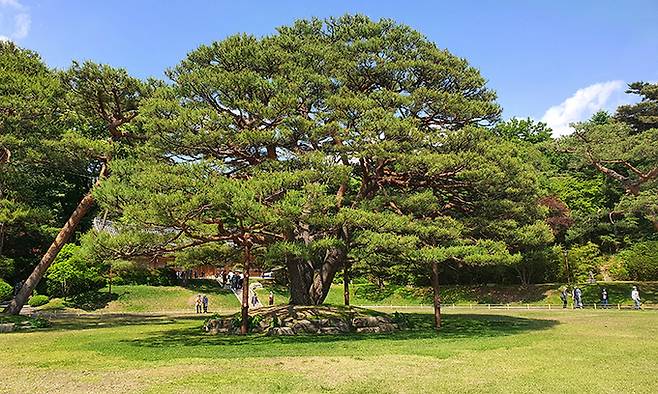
(206, 286)
(483, 294)
(456, 326)
(61, 322)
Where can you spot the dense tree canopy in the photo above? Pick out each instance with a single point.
(333, 144)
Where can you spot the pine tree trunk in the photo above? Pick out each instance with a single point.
(437, 296)
(346, 283)
(309, 285)
(62, 238)
(244, 328)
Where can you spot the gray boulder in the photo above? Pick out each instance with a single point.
(304, 326)
(280, 331)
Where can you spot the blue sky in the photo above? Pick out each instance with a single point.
(553, 60)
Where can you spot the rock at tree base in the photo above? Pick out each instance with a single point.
(279, 331)
(294, 320)
(7, 327)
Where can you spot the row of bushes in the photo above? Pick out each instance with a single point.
(638, 262)
(74, 272)
(7, 292)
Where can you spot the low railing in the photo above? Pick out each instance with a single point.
(517, 306)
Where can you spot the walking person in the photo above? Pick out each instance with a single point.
(564, 296)
(604, 298)
(635, 295)
(254, 299)
(578, 298)
(204, 300)
(198, 303)
(270, 299)
(233, 280)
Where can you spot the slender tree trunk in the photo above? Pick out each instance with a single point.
(346, 283)
(437, 296)
(62, 238)
(244, 329)
(346, 265)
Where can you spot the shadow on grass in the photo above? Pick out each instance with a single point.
(61, 322)
(205, 286)
(455, 327)
(484, 294)
(90, 300)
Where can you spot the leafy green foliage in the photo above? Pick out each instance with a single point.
(38, 300)
(640, 261)
(139, 273)
(526, 130)
(6, 291)
(643, 115)
(581, 260)
(72, 273)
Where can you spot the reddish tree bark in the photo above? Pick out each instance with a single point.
(437, 296)
(244, 328)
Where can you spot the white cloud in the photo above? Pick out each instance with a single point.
(11, 3)
(22, 22)
(20, 27)
(582, 105)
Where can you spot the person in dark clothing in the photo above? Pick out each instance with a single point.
(604, 298)
(564, 296)
(204, 301)
(578, 298)
(17, 287)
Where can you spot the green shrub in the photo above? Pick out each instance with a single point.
(39, 322)
(71, 274)
(641, 261)
(617, 268)
(254, 321)
(38, 300)
(7, 267)
(582, 259)
(6, 291)
(129, 272)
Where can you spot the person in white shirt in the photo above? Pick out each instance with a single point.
(635, 295)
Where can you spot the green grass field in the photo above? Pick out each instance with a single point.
(140, 298)
(367, 294)
(501, 352)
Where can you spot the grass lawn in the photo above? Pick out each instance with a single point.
(142, 298)
(367, 294)
(506, 352)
